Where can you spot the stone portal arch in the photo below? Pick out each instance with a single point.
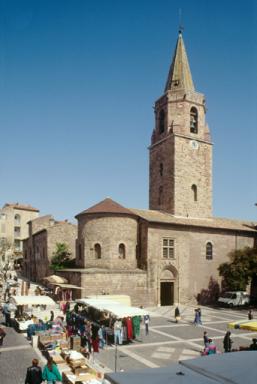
(168, 286)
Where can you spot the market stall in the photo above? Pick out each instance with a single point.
(30, 309)
(66, 352)
(121, 322)
(66, 292)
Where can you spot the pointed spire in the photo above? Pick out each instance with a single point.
(180, 75)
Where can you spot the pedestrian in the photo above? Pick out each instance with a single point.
(227, 342)
(146, 322)
(52, 316)
(197, 317)
(7, 314)
(101, 336)
(205, 339)
(34, 373)
(2, 336)
(51, 373)
(211, 348)
(200, 315)
(177, 314)
(250, 314)
(253, 346)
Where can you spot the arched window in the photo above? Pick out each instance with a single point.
(161, 121)
(160, 195)
(161, 169)
(122, 251)
(193, 120)
(194, 190)
(17, 219)
(209, 251)
(98, 251)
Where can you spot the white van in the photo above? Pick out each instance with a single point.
(234, 299)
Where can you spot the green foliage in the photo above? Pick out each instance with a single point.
(240, 270)
(61, 256)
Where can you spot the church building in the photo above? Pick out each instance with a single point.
(169, 253)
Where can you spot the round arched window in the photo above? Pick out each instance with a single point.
(17, 219)
(122, 251)
(161, 121)
(209, 251)
(193, 120)
(98, 251)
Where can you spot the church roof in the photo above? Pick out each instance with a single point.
(179, 74)
(212, 222)
(107, 206)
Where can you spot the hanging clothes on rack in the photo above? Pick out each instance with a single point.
(117, 327)
(136, 320)
(129, 328)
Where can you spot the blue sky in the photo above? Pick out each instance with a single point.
(78, 80)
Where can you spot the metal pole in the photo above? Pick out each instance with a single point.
(116, 356)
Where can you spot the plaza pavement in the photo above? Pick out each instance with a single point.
(169, 342)
(166, 343)
(16, 355)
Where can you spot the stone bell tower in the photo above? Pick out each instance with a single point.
(181, 148)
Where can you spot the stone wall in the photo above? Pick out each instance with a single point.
(41, 262)
(190, 264)
(180, 158)
(132, 283)
(108, 232)
(62, 232)
(193, 166)
(40, 246)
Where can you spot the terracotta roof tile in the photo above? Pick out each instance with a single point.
(22, 207)
(212, 222)
(107, 206)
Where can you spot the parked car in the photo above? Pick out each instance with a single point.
(234, 299)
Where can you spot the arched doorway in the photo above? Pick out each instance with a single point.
(168, 286)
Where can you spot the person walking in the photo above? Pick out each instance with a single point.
(51, 373)
(227, 342)
(250, 314)
(197, 317)
(7, 314)
(146, 322)
(34, 373)
(200, 316)
(177, 314)
(205, 339)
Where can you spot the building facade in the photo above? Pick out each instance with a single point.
(169, 253)
(38, 248)
(14, 228)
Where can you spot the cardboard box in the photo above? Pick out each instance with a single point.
(79, 370)
(84, 377)
(77, 363)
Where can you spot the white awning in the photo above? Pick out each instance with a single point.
(113, 307)
(67, 286)
(32, 300)
(55, 279)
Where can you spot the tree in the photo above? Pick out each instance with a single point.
(241, 269)
(61, 256)
(6, 251)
